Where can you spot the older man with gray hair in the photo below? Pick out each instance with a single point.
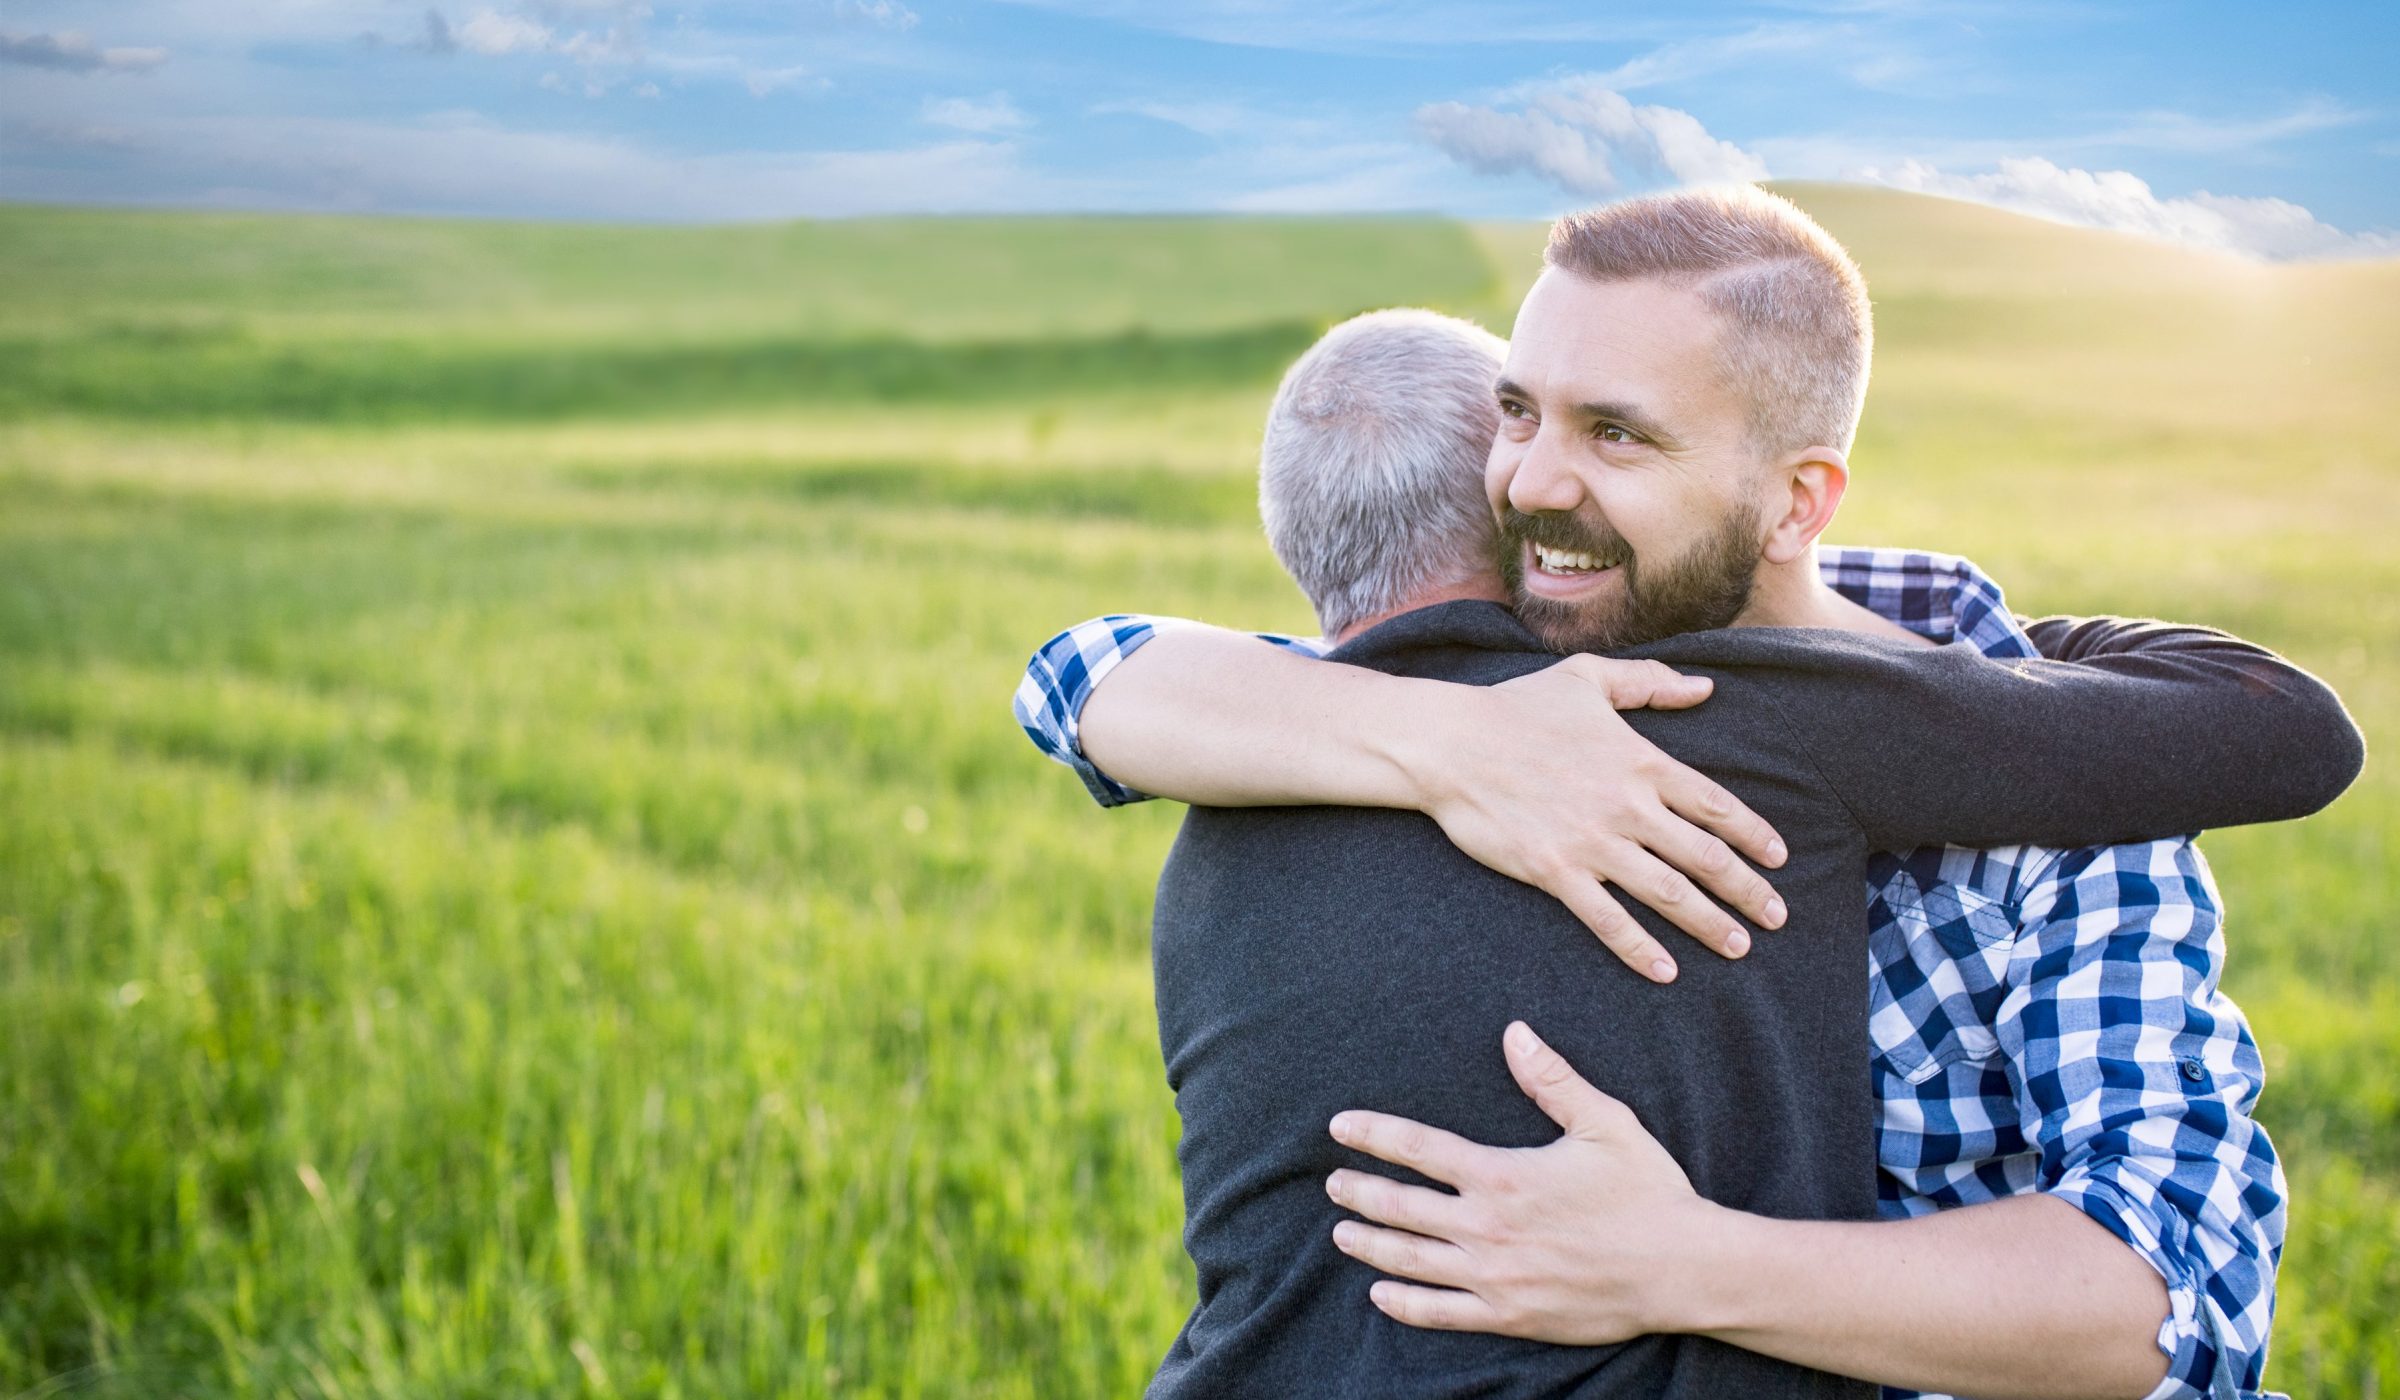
(2048, 1049)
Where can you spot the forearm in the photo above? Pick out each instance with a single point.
(1223, 719)
(2024, 1297)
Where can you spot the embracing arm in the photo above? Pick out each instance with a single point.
(2146, 731)
(1538, 778)
(1598, 1237)
(2151, 1245)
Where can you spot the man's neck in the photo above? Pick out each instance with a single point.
(1475, 590)
(1796, 595)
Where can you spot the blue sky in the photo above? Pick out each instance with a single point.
(2271, 129)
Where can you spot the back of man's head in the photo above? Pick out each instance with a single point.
(1796, 334)
(1371, 476)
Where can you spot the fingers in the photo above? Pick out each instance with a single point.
(1571, 1100)
(1709, 860)
(1416, 1209)
(1398, 1252)
(1670, 892)
(1615, 928)
(1647, 685)
(1446, 1157)
(1706, 804)
(1437, 1309)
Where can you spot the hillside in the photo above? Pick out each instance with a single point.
(516, 876)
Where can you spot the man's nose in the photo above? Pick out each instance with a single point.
(1542, 480)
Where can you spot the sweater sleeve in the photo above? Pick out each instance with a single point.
(2145, 731)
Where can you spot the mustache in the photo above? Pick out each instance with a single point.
(1558, 529)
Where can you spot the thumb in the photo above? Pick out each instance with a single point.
(1555, 1087)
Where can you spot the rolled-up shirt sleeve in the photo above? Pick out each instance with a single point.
(2137, 1079)
(1063, 673)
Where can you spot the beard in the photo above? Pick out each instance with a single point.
(1705, 587)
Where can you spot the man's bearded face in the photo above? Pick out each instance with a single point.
(1704, 585)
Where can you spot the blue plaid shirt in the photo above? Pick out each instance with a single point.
(2042, 1020)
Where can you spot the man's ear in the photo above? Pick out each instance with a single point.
(1804, 490)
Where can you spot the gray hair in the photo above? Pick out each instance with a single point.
(1797, 334)
(1371, 476)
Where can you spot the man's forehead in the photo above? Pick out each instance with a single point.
(1580, 339)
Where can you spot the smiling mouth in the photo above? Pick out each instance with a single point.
(1569, 563)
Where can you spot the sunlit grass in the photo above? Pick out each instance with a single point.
(509, 895)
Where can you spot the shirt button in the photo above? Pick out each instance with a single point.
(2193, 1071)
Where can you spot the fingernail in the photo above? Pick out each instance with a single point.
(1522, 1038)
(1775, 851)
(1662, 971)
(1344, 1236)
(1776, 912)
(1736, 943)
(1333, 1186)
(1341, 1127)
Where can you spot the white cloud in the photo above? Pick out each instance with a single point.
(489, 32)
(2118, 199)
(891, 14)
(1577, 133)
(73, 53)
(982, 115)
(765, 81)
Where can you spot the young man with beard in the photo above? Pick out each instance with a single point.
(2050, 1055)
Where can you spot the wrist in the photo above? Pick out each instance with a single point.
(1419, 732)
(1716, 1281)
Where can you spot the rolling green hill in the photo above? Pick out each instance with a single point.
(516, 876)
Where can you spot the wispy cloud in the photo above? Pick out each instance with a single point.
(2184, 131)
(2121, 200)
(1814, 155)
(1361, 26)
(491, 33)
(1686, 59)
(981, 115)
(1585, 138)
(461, 163)
(73, 53)
(891, 14)
(765, 82)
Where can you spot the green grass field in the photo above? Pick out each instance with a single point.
(517, 875)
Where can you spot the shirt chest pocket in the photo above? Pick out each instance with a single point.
(1942, 952)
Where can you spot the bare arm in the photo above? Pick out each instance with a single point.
(1538, 778)
(1221, 719)
(1598, 1237)
(2025, 1296)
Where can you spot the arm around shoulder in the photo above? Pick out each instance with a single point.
(2310, 750)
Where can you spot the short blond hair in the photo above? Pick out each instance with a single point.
(1798, 334)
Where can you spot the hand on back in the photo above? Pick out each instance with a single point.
(1542, 780)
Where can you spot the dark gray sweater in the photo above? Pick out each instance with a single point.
(1312, 959)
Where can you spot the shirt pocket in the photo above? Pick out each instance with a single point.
(1943, 951)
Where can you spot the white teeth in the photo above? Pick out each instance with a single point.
(1561, 561)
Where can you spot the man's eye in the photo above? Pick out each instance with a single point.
(1611, 432)
(1512, 409)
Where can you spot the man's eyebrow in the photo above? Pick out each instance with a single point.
(1623, 414)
